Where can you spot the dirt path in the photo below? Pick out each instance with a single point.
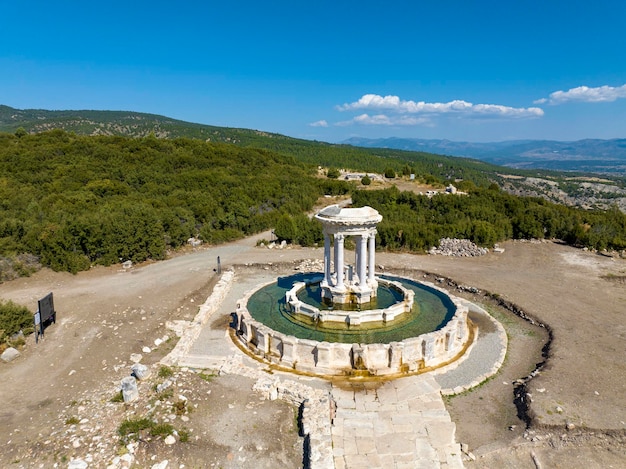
(107, 314)
(583, 383)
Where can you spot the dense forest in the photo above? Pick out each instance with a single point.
(69, 201)
(74, 201)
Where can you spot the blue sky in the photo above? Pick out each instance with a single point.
(460, 70)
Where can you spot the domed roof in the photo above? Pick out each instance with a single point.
(334, 214)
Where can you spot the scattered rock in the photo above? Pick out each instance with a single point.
(146, 350)
(9, 354)
(170, 440)
(140, 371)
(135, 357)
(161, 465)
(458, 248)
(194, 242)
(129, 389)
(77, 464)
(164, 385)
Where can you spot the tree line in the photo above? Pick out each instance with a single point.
(486, 216)
(74, 201)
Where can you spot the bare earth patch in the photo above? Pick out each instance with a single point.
(107, 314)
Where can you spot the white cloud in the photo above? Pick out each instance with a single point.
(382, 119)
(321, 123)
(600, 94)
(395, 105)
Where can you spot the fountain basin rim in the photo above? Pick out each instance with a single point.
(354, 318)
(322, 358)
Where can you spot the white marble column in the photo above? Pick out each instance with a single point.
(327, 258)
(339, 260)
(362, 259)
(372, 256)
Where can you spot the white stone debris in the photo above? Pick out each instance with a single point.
(9, 354)
(458, 248)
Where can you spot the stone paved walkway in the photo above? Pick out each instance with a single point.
(396, 424)
(401, 424)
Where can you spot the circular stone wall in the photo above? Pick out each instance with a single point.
(413, 354)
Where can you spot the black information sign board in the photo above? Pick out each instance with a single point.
(45, 315)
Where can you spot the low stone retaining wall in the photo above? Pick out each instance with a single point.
(192, 330)
(325, 358)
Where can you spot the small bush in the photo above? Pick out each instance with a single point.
(165, 394)
(206, 377)
(332, 173)
(366, 180)
(183, 435)
(165, 372)
(72, 421)
(132, 427)
(161, 429)
(14, 318)
(118, 397)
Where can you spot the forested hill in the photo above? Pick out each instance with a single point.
(121, 123)
(136, 124)
(69, 201)
(588, 192)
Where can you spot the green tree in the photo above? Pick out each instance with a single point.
(333, 173)
(390, 173)
(286, 229)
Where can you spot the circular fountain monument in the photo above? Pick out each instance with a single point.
(347, 320)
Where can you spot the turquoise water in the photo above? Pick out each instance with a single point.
(386, 297)
(431, 311)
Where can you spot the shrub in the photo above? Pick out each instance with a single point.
(365, 180)
(333, 173)
(165, 372)
(14, 318)
(133, 426)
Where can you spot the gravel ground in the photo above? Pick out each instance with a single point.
(101, 323)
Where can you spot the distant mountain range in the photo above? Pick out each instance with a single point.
(590, 155)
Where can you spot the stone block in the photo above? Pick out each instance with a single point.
(9, 355)
(140, 371)
(130, 392)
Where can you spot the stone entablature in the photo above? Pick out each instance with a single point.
(339, 359)
(353, 318)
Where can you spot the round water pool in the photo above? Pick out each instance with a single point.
(432, 309)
